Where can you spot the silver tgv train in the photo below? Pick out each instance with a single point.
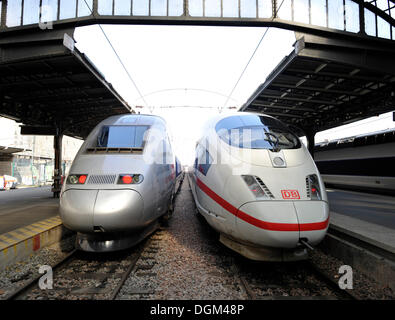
(120, 183)
(258, 186)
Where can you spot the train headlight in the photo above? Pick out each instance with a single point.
(130, 178)
(313, 187)
(255, 188)
(76, 179)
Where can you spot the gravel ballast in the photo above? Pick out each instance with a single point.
(190, 263)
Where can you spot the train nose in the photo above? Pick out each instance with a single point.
(283, 223)
(102, 210)
(313, 217)
(269, 223)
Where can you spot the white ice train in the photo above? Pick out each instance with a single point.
(120, 183)
(256, 183)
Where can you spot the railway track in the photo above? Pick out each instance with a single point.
(81, 276)
(287, 281)
(301, 280)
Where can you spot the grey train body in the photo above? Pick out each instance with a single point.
(128, 172)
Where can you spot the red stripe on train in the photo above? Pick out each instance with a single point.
(272, 226)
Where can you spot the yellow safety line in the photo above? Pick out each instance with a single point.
(37, 227)
(4, 242)
(31, 228)
(16, 235)
(23, 234)
(45, 224)
(7, 238)
(40, 224)
(29, 234)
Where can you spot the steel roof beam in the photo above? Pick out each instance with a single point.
(339, 75)
(315, 89)
(286, 115)
(294, 99)
(190, 18)
(282, 107)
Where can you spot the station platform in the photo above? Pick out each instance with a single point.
(29, 221)
(368, 217)
(23, 207)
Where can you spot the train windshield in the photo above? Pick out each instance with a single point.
(256, 132)
(122, 137)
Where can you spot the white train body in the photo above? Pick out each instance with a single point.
(255, 183)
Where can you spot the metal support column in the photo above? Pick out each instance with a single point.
(57, 179)
(3, 14)
(310, 136)
(95, 8)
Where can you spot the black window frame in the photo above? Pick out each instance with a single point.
(98, 145)
(239, 125)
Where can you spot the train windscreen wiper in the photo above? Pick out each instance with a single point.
(274, 144)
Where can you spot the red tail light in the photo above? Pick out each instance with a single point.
(77, 179)
(313, 187)
(130, 178)
(127, 179)
(82, 179)
(255, 187)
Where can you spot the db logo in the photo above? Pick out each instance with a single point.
(290, 194)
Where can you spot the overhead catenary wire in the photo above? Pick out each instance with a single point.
(249, 60)
(185, 90)
(118, 57)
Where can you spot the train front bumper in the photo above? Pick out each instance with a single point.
(281, 224)
(102, 210)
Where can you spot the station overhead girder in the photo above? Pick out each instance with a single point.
(325, 83)
(352, 18)
(48, 85)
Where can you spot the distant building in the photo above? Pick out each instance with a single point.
(31, 158)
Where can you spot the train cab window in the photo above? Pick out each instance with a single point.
(122, 137)
(256, 132)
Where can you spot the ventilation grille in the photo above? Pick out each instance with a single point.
(308, 187)
(266, 189)
(102, 179)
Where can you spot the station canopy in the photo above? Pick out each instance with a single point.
(11, 150)
(326, 83)
(49, 86)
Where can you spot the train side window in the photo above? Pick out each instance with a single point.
(204, 161)
(167, 150)
(197, 156)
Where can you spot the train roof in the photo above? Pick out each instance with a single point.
(215, 119)
(134, 119)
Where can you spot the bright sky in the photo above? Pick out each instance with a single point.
(182, 57)
(184, 67)
(189, 67)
